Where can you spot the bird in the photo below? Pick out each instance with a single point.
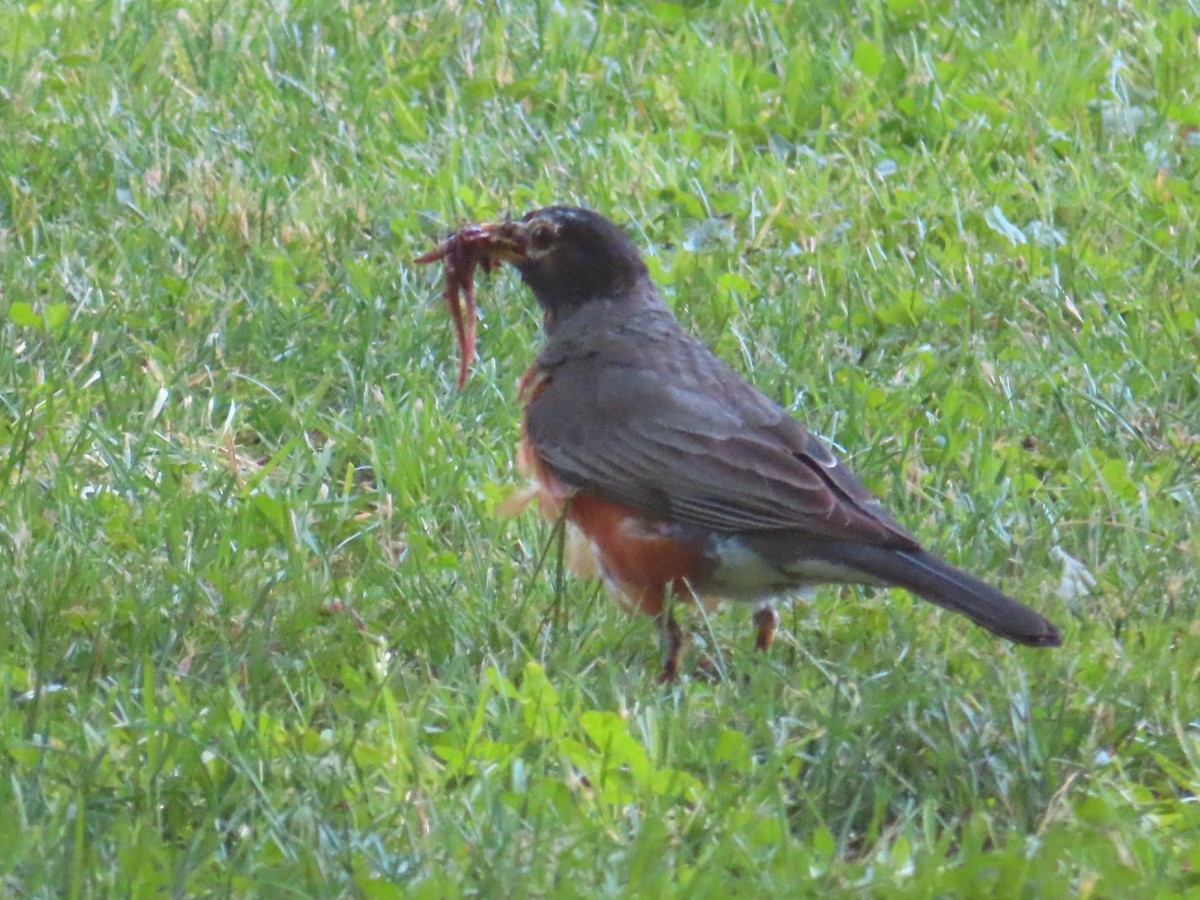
(677, 478)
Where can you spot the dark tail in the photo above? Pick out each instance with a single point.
(939, 582)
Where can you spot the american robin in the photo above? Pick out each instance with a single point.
(677, 475)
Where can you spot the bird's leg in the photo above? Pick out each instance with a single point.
(670, 641)
(766, 620)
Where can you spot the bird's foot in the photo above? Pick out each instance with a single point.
(766, 621)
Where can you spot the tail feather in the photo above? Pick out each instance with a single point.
(937, 581)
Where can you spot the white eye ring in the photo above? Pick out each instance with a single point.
(541, 237)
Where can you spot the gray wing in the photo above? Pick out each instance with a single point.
(679, 435)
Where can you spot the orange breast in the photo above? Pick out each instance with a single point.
(639, 557)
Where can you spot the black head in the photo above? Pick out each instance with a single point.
(573, 256)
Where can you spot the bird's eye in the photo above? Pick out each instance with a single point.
(541, 237)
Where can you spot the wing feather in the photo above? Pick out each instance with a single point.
(697, 444)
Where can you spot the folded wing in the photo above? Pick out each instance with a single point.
(682, 436)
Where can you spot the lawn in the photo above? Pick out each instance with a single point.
(262, 629)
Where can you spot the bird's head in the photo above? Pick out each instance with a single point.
(570, 257)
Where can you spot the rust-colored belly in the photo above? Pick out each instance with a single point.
(638, 557)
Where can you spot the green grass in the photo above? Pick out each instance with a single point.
(262, 630)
